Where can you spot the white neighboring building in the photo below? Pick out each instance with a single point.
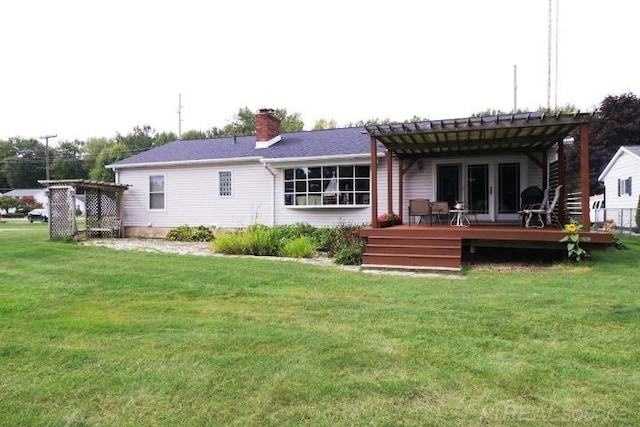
(621, 178)
(37, 193)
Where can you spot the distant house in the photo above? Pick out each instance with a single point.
(39, 195)
(621, 178)
(327, 177)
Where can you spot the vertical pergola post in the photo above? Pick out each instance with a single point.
(388, 158)
(561, 180)
(400, 186)
(584, 175)
(374, 183)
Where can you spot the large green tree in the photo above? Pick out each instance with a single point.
(244, 123)
(323, 123)
(616, 123)
(110, 154)
(6, 152)
(91, 149)
(140, 139)
(68, 163)
(193, 134)
(27, 165)
(164, 138)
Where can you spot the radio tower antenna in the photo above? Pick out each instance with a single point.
(179, 115)
(549, 60)
(557, 22)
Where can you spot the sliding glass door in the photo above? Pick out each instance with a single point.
(489, 189)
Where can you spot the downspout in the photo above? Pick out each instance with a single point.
(273, 193)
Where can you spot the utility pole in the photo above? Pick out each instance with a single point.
(46, 152)
(179, 115)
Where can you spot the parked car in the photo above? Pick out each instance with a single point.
(41, 215)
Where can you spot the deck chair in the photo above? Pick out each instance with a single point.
(441, 211)
(532, 198)
(548, 211)
(419, 208)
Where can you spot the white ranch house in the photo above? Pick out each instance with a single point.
(318, 177)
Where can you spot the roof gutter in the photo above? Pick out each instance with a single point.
(366, 156)
(186, 162)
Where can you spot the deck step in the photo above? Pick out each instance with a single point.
(413, 249)
(432, 261)
(404, 250)
(414, 240)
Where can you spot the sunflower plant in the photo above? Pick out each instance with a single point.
(573, 240)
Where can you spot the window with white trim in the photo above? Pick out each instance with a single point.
(344, 185)
(156, 192)
(224, 184)
(624, 186)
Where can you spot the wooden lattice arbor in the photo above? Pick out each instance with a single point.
(103, 208)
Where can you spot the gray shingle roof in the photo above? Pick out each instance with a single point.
(318, 143)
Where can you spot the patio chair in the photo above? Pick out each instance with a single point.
(419, 208)
(441, 211)
(532, 198)
(548, 211)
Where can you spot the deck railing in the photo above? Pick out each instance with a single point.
(621, 219)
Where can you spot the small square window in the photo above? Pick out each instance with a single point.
(224, 181)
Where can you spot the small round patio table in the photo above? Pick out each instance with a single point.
(460, 218)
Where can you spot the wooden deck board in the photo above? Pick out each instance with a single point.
(485, 232)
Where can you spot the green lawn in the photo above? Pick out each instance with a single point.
(94, 336)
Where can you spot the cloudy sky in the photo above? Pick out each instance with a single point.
(83, 68)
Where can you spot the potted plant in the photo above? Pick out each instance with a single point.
(389, 219)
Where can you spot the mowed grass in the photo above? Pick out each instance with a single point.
(95, 336)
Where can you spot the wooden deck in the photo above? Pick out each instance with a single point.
(440, 247)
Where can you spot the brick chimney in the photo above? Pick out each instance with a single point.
(267, 128)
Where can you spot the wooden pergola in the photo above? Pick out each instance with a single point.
(527, 133)
(103, 207)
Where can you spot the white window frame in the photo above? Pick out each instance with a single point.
(624, 187)
(319, 198)
(164, 192)
(225, 187)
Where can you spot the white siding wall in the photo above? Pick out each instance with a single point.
(192, 196)
(625, 166)
(534, 174)
(419, 184)
(192, 199)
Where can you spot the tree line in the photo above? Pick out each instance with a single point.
(22, 160)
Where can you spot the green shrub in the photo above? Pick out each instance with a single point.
(263, 240)
(300, 247)
(291, 231)
(349, 255)
(184, 233)
(324, 238)
(232, 243)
